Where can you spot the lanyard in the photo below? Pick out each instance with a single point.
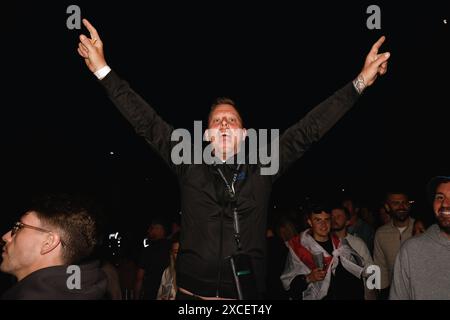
(232, 194)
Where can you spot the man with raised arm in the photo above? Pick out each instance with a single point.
(216, 197)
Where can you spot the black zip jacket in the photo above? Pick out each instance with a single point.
(207, 236)
(51, 284)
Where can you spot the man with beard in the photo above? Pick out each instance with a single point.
(340, 217)
(421, 267)
(390, 237)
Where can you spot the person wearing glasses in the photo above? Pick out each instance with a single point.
(42, 247)
(218, 220)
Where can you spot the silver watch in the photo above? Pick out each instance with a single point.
(359, 84)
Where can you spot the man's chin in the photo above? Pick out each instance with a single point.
(402, 216)
(445, 228)
(444, 224)
(225, 152)
(3, 267)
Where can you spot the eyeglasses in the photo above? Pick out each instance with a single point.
(19, 225)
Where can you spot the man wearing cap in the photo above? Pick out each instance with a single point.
(422, 265)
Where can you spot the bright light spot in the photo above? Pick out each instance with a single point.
(343, 189)
(114, 235)
(146, 244)
(445, 21)
(111, 153)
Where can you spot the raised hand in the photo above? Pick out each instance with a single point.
(375, 64)
(91, 49)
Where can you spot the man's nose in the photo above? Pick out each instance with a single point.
(446, 202)
(6, 237)
(224, 122)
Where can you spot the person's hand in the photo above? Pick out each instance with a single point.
(91, 49)
(375, 64)
(316, 275)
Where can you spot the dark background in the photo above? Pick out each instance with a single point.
(277, 60)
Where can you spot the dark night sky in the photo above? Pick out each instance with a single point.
(277, 60)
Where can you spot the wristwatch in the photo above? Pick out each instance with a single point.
(359, 84)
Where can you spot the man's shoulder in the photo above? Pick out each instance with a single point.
(416, 244)
(355, 240)
(385, 229)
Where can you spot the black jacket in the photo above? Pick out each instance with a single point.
(51, 284)
(203, 193)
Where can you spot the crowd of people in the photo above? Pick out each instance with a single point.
(224, 245)
(323, 251)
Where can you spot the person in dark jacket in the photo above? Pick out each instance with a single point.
(213, 194)
(41, 251)
(154, 259)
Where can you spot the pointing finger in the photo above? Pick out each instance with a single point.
(92, 31)
(377, 45)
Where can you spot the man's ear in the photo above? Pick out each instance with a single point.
(50, 243)
(386, 207)
(309, 222)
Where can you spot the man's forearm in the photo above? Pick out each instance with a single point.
(298, 138)
(146, 122)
